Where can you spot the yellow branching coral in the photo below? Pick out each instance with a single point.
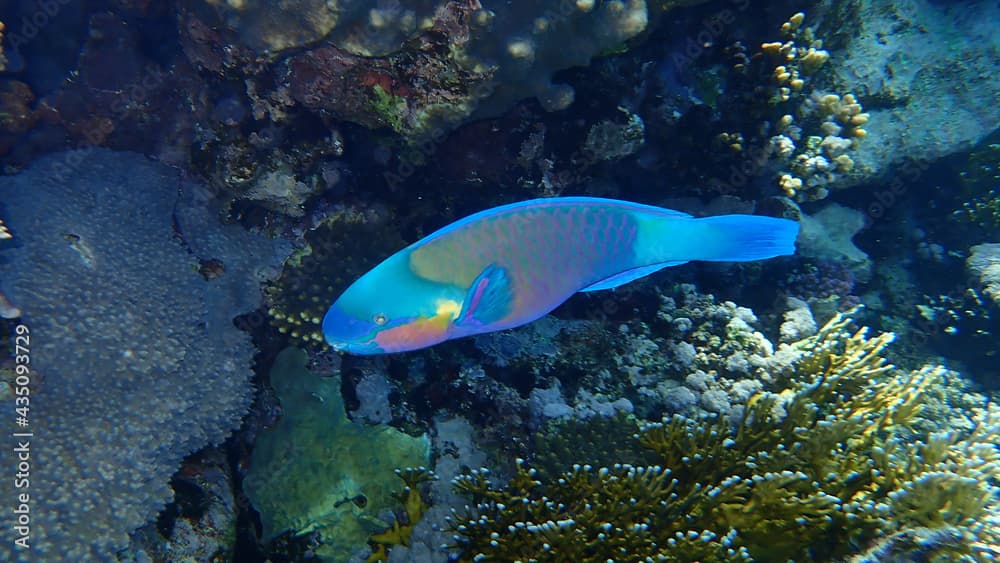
(815, 130)
(414, 507)
(819, 468)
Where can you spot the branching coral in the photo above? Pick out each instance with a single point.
(809, 133)
(822, 466)
(414, 507)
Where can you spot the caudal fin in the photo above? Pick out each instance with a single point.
(741, 238)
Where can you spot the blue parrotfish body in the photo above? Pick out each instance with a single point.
(507, 266)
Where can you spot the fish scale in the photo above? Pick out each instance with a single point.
(510, 265)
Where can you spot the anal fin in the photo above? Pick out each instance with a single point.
(623, 278)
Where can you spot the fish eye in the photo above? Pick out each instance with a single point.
(380, 319)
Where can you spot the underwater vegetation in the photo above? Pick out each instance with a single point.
(846, 450)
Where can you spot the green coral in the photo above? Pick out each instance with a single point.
(829, 462)
(390, 108)
(317, 471)
(344, 246)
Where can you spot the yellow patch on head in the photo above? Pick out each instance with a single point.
(448, 307)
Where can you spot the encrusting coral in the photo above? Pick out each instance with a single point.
(319, 471)
(140, 363)
(836, 457)
(344, 246)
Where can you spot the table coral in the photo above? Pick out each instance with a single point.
(318, 471)
(134, 354)
(835, 457)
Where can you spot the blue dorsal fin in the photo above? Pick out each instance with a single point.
(490, 298)
(623, 278)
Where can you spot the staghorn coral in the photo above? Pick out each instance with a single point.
(316, 470)
(140, 363)
(834, 458)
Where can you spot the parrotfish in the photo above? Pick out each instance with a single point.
(510, 265)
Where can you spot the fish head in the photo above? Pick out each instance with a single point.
(390, 309)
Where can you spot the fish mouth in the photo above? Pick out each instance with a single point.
(358, 348)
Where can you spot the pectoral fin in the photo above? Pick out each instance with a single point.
(490, 298)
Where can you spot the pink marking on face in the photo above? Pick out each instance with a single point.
(416, 334)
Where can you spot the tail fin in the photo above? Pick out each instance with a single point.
(741, 238)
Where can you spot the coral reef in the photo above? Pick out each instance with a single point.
(809, 132)
(316, 471)
(898, 60)
(3, 58)
(464, 61)
(140, 360)
(345, 245)
(984, 265)
(834, 458)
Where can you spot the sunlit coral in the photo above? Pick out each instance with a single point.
(819, 468)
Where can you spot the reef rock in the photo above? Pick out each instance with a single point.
(984, 264)
(924, 71)
(134, 359)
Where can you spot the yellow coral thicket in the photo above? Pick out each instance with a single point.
(834, 461)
